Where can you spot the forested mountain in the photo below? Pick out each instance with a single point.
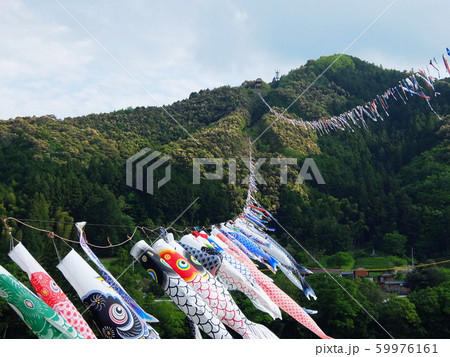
(386, 188)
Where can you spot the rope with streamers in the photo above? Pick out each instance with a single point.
(51, 234)
(11, 238)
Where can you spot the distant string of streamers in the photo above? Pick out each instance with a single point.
(255, 213)
(357, 116)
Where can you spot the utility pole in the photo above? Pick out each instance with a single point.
(412, 256)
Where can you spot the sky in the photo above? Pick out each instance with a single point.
(76, 57)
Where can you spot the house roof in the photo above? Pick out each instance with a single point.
(396, 282)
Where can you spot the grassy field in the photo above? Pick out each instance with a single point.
(374, 263)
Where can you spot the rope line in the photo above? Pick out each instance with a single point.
(52, 234)
(384, 269)
(145, 230)
(376, 269)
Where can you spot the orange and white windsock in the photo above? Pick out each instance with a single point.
(49, 291)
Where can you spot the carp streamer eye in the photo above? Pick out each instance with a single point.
(183, 264)
(118, 314)
(54, 286)
(29, 304)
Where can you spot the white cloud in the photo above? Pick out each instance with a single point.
(33, 49)
(50, 65)
(240, 15)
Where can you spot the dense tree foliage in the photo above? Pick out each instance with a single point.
(432, 305)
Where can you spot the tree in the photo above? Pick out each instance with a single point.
(172, 321)
(64, 223)
(433, 307)
(394, 243)
(399, 317)
(420, 278)
(342, 260)
(339, 316)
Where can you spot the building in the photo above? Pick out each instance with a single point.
(389, 285)
(362, 272)
(385, 277)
